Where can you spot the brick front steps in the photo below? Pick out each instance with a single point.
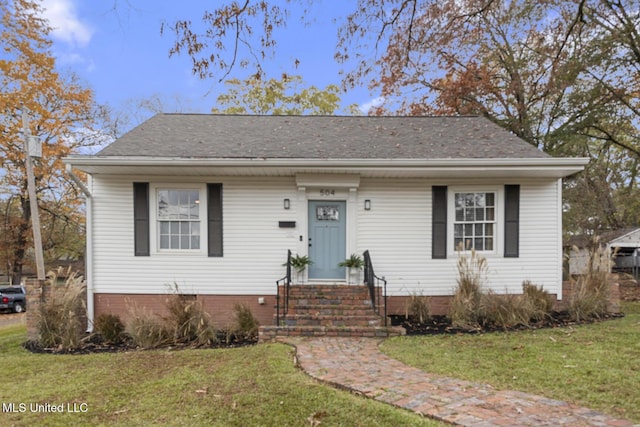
(272, 333)
(328, 310)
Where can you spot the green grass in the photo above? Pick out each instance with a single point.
(251, 386)
(595, 365)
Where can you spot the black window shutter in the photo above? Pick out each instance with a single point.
(439, 222)
(511, 221)
(214, 219)
(141, 218)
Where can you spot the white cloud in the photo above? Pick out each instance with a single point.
(375, 102)
(76, 60)
(66, 24)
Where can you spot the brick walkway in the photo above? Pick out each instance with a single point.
(357, 364)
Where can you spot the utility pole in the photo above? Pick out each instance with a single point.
(33, 197)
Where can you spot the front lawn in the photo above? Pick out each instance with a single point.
(595, 365)
(250, 386)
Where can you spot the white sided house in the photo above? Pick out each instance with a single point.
(213, 203)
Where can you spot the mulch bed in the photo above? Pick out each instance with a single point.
(439, 325)
(629, 291)
(94, 344)
(434, 325)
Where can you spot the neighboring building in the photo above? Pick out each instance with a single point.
(623, 244)
(213, 203)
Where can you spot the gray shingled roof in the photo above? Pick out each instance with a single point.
(320, 137)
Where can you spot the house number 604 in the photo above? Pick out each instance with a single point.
(327, 192)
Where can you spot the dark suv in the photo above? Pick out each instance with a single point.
(13, 298)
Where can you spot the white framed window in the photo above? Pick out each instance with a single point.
(474, 220)
(179, 215)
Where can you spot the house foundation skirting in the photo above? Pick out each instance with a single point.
(219, 307)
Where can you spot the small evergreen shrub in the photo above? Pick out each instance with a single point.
(110, 328)
(62, 314)
(246, 324)
(417, 307)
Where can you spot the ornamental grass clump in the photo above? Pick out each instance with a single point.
(146, 329)
(61, 318)
(474, 308)
(185, 323)
(512, 310)
(591, 292)
(466, 304)
(504, 311)
(539, 301)
(188, 322)
(417, 307)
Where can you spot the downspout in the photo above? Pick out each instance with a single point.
(89, 244)
(560, 268)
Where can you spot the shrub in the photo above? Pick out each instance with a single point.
(188, 322)
(539, 301)
(590, 297)
(417, 306)
(62, 314)
(465, 310)
(110, 328)
(185, 324)
(245, 322)
(504, 311)
(147, 330)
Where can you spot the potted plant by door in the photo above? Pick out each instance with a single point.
(299, 263)
(354, 263)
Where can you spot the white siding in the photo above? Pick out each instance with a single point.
(396, 231)
(254, 246)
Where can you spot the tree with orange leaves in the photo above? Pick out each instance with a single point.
(59, 108)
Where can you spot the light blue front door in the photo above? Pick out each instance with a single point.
(327, 239)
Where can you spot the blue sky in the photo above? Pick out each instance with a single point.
(117, 48)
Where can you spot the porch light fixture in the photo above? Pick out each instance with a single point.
(367, 205)
(287, 203)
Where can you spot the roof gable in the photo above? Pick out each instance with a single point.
(319, 137)
(630, 239)
(624, 237)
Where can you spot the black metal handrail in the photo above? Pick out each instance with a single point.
(372, 281)
(285, 282)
